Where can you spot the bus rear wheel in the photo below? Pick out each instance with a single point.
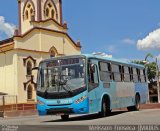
(65, 117)
(137, 103)
(136, 107)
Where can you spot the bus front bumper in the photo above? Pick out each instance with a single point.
(71, 108)
(59, 111)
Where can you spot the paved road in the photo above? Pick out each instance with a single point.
(47, 123)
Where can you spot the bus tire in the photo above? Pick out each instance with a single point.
(64, 117)
(137, 102)
(136, 107)
(105, 109)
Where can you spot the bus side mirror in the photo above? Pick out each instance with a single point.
(35, 68)
(92, 68)
(34, 71)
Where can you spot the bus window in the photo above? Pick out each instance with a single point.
(131, 73)
(121, 71)
(138, 73)
(105, 71)
(142, 75)
(116, 72)
(135, 75)
(93, 77)
(144, 72)
(126, 74)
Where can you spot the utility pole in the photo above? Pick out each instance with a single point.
(157, 75)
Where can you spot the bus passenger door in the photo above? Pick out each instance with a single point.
(93, 83)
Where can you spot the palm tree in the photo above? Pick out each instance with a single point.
(148, 55)
(153, 72)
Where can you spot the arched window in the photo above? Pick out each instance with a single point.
(29, 92)
(50, 10)
(29, 68)
(28, 11)
(52, 53)
(31, 11)
(52, 13)
(26, 14)
(47, 12)
(29, 5)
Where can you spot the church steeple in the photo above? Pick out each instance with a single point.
(37, 11)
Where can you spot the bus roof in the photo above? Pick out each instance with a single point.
(119, 61)
(114, 60)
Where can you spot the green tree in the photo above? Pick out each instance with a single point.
(138, 62)
(148, 55)
(151, 69)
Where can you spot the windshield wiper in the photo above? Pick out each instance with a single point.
(67, 89)
(63, 84)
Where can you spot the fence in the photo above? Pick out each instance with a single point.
(10, 103)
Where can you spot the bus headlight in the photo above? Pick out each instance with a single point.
(40, 102)
(80, 99)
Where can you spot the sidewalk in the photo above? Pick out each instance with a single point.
(143, 106)
(150, 106)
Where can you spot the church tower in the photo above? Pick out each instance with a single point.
(41, 35)
(31, 11)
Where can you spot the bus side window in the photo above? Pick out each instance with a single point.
(138, 73)
(116, 73)
(105, 71)
(131, 73)
(121, 71)
(135, 75)
(93, 76)
(144, 73)
(126, 71)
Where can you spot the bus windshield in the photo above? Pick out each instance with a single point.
(62, 75)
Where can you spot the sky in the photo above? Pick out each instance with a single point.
(127, 29)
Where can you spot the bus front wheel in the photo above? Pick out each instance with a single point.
(65, 117)
(105, 108)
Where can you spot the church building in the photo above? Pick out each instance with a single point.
(41, 34)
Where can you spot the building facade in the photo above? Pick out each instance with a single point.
(41, 34)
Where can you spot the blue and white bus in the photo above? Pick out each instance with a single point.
(84, 84)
